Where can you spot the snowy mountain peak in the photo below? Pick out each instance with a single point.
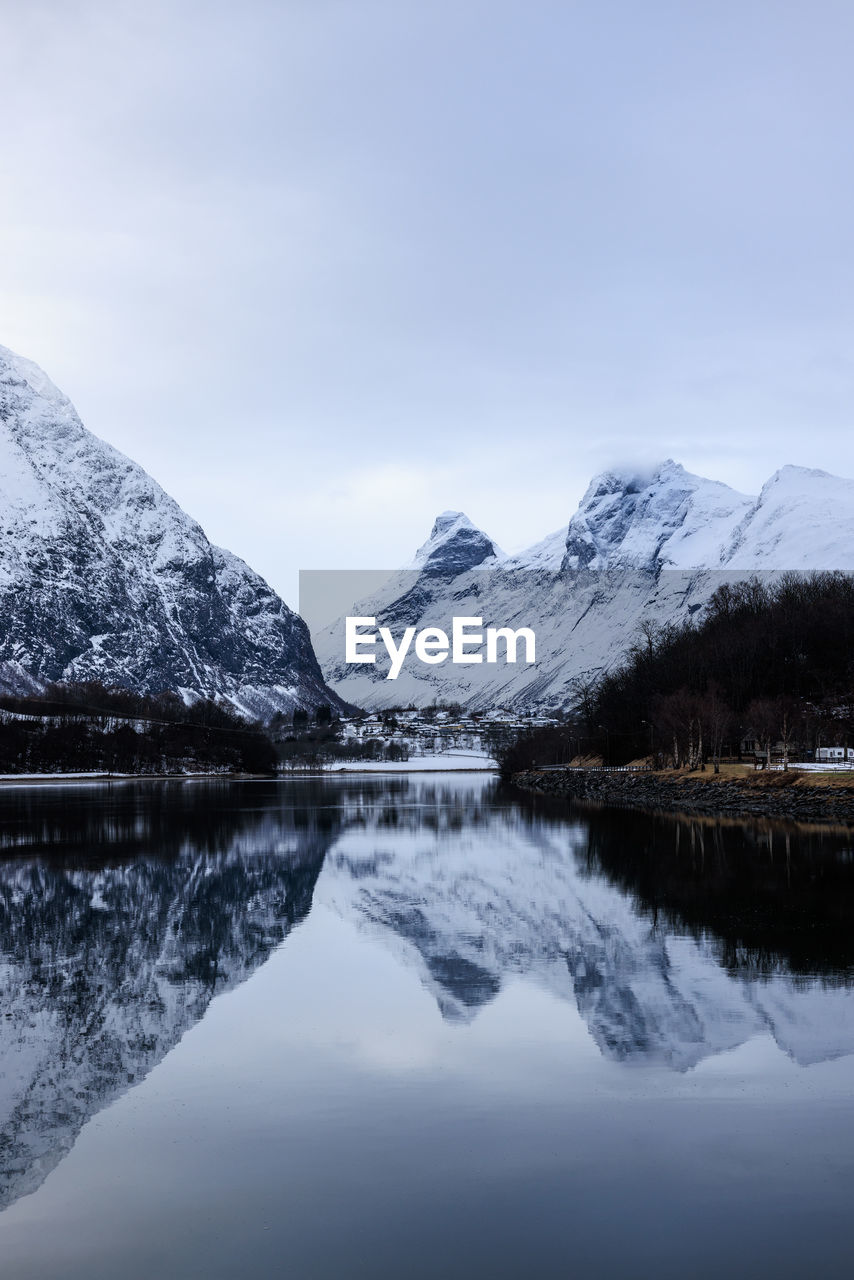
(802, 519)
(455, 545)
(791, 472)
(104, 577)
(24, 372)
(446, 518)
(666, 518)
(671, 519)
(662, 539)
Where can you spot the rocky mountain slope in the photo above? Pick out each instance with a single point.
(454, 546)
(104, 577)
(638, 549)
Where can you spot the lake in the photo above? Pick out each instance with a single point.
(377, 1026)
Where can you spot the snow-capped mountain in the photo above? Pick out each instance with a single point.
(104, 577)
(455, 545)
(802, 519)
(639, 548)
(668, 520)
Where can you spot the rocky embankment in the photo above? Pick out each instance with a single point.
(776, 795)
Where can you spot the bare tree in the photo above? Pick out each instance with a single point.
(584, 690)
(677, 717)
(718, 719)
(763, 720)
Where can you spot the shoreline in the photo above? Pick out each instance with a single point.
(61, 779)
(711, 796)
(98, 779)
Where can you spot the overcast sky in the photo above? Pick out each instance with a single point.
(328, 267)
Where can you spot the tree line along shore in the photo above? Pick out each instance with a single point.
(767, 676)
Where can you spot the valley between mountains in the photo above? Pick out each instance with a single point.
(103, 577)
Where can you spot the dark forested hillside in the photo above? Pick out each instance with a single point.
(771, 664)
(89, 728)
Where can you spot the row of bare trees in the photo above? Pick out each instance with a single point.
(696, 729)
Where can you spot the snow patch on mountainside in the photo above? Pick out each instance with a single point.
(547, 554)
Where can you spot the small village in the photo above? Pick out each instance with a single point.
(438, 736)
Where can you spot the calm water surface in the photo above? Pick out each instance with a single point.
(370, 1027)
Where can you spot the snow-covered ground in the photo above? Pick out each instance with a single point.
(444, 762)
(819, 766)
(95, 775)
(88, 773)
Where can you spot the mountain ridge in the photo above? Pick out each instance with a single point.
(104, 577)
(639, 549)
(618, 510)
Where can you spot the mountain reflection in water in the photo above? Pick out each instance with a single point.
(124, 910)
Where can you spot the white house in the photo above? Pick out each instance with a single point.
(835, 754)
